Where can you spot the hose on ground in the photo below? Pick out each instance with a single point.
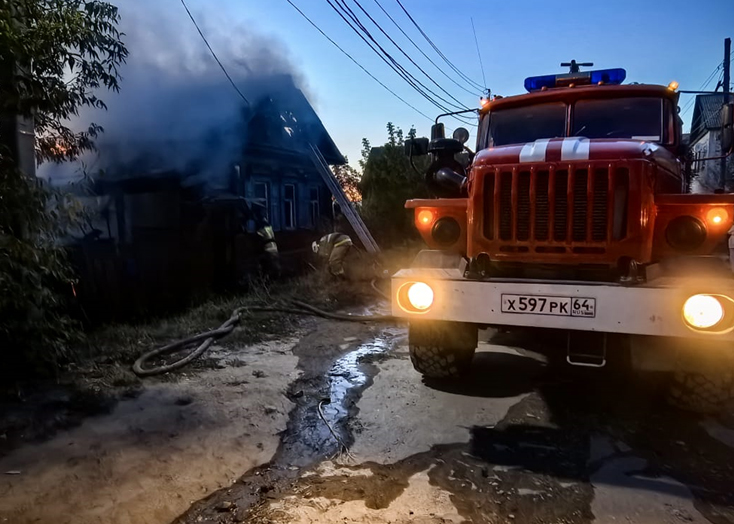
(377, 290)
(293, 307)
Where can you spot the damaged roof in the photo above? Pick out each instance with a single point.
(285, 119)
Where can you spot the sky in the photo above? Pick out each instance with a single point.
(656, 42)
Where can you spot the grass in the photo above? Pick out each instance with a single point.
(109, 352)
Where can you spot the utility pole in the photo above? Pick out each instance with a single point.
(727, 64)
(16, 131)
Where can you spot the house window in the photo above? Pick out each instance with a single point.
(262, 196)
(315, 212)
(289, 206)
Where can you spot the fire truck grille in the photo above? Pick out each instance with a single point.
(582, 205)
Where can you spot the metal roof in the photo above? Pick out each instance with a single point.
(706, 115)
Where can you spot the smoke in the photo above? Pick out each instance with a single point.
(176, 110)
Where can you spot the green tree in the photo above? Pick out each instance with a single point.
(388, 180)
(56, 55)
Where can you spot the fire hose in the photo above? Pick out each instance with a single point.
(207, 339)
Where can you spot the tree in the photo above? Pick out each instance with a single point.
(64, 51)
(388, 180)
(348, 178)
(56, 56)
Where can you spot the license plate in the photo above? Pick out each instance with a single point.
(547, 305)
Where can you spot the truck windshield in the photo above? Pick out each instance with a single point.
(636, 118)
(520, 125)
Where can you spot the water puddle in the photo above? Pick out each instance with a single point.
(346, 376)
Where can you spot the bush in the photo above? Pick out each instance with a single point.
(34, 327)
(388, 180)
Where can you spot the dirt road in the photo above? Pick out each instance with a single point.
(514, 442)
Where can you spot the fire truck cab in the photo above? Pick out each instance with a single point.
(574, 216)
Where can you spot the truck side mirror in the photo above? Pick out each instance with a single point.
(727, 129)
(416, 147)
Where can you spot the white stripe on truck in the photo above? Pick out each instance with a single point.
(575, 149)
(534, 152)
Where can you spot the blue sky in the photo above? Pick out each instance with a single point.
(656, 42)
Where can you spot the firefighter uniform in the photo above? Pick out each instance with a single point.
(334, 248)
(270, 256)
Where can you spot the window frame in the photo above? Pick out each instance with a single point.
(292, 215)
(315, 205)
(266, 185)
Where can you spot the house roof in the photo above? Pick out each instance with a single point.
(280, 124)
(283, 118)
(706, 115)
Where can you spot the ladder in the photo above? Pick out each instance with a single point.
(346, 206)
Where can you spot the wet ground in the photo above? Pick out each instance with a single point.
(516, 441)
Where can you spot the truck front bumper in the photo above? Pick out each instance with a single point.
(654, 309)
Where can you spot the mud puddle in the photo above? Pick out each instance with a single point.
(349, 376)
(335, 361)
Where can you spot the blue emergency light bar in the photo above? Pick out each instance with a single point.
(604, 76)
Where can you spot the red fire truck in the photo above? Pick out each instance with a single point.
(574, 215)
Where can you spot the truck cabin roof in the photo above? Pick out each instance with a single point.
(585, 92)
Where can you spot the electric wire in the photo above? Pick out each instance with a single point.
(406, 55)
(438, 51)
(224, 70)
(706, 82)
(373, 77)
(345, 14)
(449, 77)
(382, 53)
(481, 63)
(343, 10)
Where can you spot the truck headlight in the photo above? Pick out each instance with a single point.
(415, 297)
(420, 296)
(446, 231)
(685, 233)
(703, 311)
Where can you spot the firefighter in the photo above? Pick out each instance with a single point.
(333, 248)
(269, 256)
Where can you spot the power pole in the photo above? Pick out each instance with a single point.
(16, 130)
(727, 64)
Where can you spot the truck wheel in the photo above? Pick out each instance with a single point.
(442, 349)
(703, 381)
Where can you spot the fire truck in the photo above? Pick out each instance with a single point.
(574, 216)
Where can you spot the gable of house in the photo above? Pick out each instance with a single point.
(706, 115)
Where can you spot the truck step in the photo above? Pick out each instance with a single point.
(587, 348)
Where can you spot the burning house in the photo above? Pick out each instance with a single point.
(171, 216)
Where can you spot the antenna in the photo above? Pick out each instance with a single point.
(481, 64)
(575, 65)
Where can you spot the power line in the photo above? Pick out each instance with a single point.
(481, 64)
(375, 46)
(361, 31)
(435, 48)
(357, 63)
(474, 93)
(407, 55)
(705, 84)
(214, 54)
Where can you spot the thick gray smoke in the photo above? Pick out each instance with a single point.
(176, 109)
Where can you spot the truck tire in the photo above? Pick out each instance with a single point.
(703, 381)
(442, 349)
